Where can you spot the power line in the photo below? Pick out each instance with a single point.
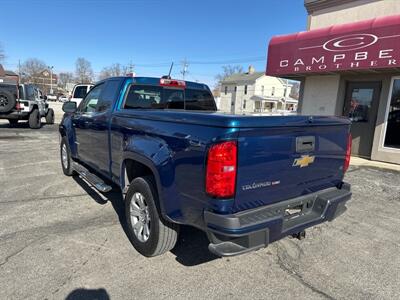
(209, 62)
(231, 61)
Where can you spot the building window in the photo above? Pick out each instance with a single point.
(273, 91)
(226, 90)
(262, 90)
(245, 89)
(360, 105)
(392, 136)
(244, 104)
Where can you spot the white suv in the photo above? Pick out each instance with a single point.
(80, 91)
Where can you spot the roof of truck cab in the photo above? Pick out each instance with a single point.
(156, 81)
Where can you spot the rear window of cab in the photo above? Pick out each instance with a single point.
(158, 97)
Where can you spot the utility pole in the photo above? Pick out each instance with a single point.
(51, 79)
(185, 66)
(131, 68)
(19, 69)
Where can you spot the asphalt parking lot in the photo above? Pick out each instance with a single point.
(60, 239)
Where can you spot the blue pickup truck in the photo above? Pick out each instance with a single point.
(244, 180)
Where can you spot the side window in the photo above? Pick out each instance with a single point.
(173, 99)
(21, 92)
(89, 104)
(143, 96)
(199, 100)
(30, 93)
(108, 95)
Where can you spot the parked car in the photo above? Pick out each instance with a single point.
(79, 92)
(23, 102)
(52, 97)
(63, 98)
(246, 181)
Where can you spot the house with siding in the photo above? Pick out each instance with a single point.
(254, 92)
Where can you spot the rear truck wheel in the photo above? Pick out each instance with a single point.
(13, 122)
(7, 101)
(65, 155)
(34, 119)
(148, 232)
(50, 116)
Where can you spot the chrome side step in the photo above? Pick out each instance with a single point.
(94, 180)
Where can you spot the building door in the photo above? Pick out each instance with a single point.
(361, 106)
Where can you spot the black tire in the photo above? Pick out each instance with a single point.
(163, 235)
(50, 116)
(7, 101)
(13, 122)
(67, 168)
(34, 119)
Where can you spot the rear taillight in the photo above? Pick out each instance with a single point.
(348, 154)
(18, 106)
(221, 170)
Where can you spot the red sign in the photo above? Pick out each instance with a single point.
(370, 44)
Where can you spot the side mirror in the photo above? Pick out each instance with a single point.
(69, 107)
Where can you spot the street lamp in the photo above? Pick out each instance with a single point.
(51, 79)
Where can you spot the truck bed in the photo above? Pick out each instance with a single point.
(266, 153)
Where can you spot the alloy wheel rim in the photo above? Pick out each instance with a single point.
(3, 101)
(140, 217)
(64, 156)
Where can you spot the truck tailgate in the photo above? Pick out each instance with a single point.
(277, 163)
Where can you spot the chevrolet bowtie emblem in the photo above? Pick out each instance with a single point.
(303, 161)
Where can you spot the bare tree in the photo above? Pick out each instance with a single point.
(83, 70)
(226, 72)
(113, 70)
(64, 78)
(31, 69)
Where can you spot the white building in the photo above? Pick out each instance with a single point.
(254, 92)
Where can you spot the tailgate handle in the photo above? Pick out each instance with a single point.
(305, 143)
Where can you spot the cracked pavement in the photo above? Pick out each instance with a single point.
(61, 239)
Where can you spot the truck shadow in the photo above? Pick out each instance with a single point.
(18, 125)
(24, 124)
(88, 294)
(191, 248)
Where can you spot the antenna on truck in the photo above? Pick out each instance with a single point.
(170, 70)
(169, 74)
